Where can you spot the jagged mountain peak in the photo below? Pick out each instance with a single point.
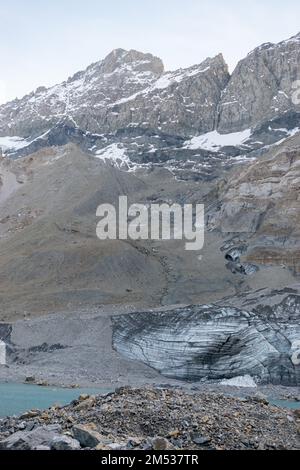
(120, 60)
(103, 98)
(261, 87)
(118, 76)
(219, 58)
(139, 61)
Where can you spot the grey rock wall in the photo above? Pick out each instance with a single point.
(261, 87)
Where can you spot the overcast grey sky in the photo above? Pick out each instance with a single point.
(43, 42)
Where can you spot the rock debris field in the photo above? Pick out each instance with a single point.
(155, 419)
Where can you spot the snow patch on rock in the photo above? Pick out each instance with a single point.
(214, 141)
(117, 156)
(12, 143)
(114, 152)
(170, 78)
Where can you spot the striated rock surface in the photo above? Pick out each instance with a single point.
(214, 342)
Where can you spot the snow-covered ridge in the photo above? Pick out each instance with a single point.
(118, 76)
(167, 80)
(91, 94)
(129, 92)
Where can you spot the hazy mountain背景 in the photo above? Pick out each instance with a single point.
(197, 135)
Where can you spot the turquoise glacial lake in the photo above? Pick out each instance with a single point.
(291, 405)
(15, 399)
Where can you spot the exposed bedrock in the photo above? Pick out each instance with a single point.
(196, 342)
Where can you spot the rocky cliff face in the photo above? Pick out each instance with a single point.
(260, 88)
(182, 102)
(261, 201)
(212, 342)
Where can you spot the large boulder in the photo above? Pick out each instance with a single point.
(29, 440)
